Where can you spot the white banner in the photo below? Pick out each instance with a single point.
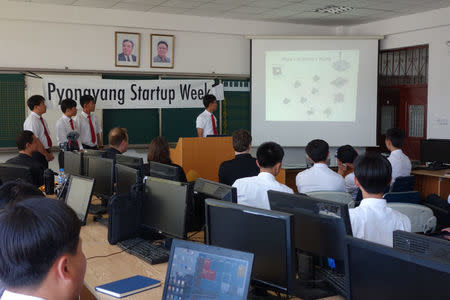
(128, 94)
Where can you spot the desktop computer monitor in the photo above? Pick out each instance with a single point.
(290, 202)
(267, 234)
(164, 171)
(197, 271)
(435, 150)
(132, 162)
(422, 245)
(375, 272)
(215, 190)
(79, 194)
(126, 177)
(102, 170)
(73, 163)
(164, 209)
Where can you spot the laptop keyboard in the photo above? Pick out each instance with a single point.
(336, 280)
(145, 250)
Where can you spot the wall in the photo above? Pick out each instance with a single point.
(432, 28)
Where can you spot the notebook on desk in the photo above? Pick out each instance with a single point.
(128, 286)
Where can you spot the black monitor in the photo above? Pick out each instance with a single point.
(102, 170)
(290, 202)
(422, 245)
(96, 153)
(10, 172)
(215, 190)
(164, 208)
(164, 171)
(130, 161)
(267, 234)
(126, 177)
(376, 272)
(435, 150)
(73, 163)
(79, 195)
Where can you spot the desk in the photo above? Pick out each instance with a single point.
(106, 269)
(432, 182)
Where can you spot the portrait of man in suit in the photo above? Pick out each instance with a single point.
(127, 51)
(127, 46)
(161, 46)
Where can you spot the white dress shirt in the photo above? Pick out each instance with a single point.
(204, 122)
(63, 128)
(372, 220)
(401, 165)
(85, 130)
(319, 178)
(252, 191)
(33, 123)
(350, 185)
(7, 295)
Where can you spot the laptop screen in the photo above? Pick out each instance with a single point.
(197, 271)
(79, 195)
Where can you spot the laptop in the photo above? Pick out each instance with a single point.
(79, 194)
(197, 271)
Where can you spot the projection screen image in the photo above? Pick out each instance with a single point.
(319, 85)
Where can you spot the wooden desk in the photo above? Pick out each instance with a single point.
(432, 182)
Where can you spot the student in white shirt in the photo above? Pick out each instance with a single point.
(89, 128)
(372, 220)
(41, 255)
(206, 122)
(64, 125)
(401, 165)
(252, 191)
(345, 156)
(319, 177)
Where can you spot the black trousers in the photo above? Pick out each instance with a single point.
(40, 158)
(90, 147)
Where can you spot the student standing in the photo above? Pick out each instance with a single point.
(206, 122)
(90, 130)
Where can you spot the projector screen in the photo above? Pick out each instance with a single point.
(307, 89)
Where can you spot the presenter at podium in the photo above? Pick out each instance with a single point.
(206, 121)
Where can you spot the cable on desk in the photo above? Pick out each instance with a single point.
(103, 256)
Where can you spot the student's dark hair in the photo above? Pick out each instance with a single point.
(241, 140)
(17, 190)
(269, 154)
(317, 150)
(346, 154)
(129, 41)
(163, 42)
(23, 138)
(33, 234)
(158, 150)
(68, 104)
(85, 99)
(117, 135)
(208, 99)
(373, 172)
(396, 136)
(35, 100)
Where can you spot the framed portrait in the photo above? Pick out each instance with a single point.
(128, 49)
(162, 50)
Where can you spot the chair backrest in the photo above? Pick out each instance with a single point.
(421, 217)
(403, 197)
(12, 172)
(403, 184)
(339, 197)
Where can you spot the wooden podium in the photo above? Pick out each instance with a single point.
(202, 156)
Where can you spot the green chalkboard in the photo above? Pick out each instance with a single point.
(236, 109)
(12, 112)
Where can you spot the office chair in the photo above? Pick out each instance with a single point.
(403, 184)
(412, 197)
(339, 197)
(12, 172)
(421, 217)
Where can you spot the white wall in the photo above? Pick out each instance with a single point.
(432, 28)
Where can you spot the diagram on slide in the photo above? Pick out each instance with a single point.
(317, 85)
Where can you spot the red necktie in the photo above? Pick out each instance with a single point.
(49, 140)
(92, 130)
(214, 124)
(71, 124)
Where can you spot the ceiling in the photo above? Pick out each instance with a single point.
(286, 11)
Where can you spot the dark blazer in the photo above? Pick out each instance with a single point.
(243, 165)
(121, 57)
(182, 178)
(111, 152)
(37, 170)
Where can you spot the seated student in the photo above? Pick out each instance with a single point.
(118, 142)
(27, 143)
(45, 260)
(243, 164)
(401, 165)
(319, 177)
(17, 190)
(252, 191)
(372, 220)
(345, 156)
(159, 151)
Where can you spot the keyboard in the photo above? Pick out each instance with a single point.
(145, 250)
(432, 167)
(336, 280)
